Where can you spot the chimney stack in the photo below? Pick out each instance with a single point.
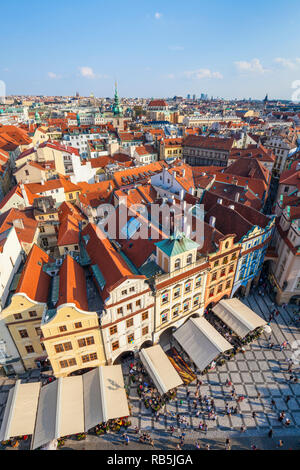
(237, 197)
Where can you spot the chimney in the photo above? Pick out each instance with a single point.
(237, 197)
(212, 221)
(42, 181)
(18, 223)
(220, 201)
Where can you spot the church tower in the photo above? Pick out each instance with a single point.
(117, 108)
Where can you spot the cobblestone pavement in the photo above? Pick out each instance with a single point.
(260, 369)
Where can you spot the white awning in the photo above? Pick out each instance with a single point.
(60, 410)
(201, 341)
(104, 395)
(240, 318)
(20, 411)
(160, 369)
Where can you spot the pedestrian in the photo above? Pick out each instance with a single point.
(280, 443)
(273, 403)
(271, 345)
(258, 394)
(152, 442)
(253, 414)
(287, 422)
(178, 447)
(287, 399)
(270, 433)
(207, 447)
(243, 428)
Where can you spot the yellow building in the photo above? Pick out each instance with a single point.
(180, 292)
(71, 333)
(28, 303)
(170, 148)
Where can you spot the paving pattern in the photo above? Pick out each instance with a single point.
(260, 369)
(260, 375)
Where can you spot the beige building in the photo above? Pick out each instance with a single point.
(71, 332)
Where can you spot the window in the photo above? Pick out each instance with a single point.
(165, 298)
(189, 259)
(124, 292)
(145, 331)
(177, 264)
(225, 260)
(228, 283)
(216, 264)
(214, 277)
(115, 345)
(132, 289)
(231, 269)
(138, 303)
(188, 286)
(78, 325)
(196, 300)
(164, 317)
(129, 323)
(23, 333)
(175, 311)
(89, 357)
(38, 331)
(59, 348)
(211, 293)
(42, 230)
(62, 328)
(29, 349)
(33, 314)
(68, 346)
(198, 282)
(176, 292)
(130, 338)
(145, 316)
(113, 330)
(64, 364)
(18, 316)
(220, 288)
(186, 306)
(120, 310)
(129, 307)
(72, 362)
(233, 257)
(223, 272)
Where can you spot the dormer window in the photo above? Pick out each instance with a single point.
(189, 259)
(177, 264)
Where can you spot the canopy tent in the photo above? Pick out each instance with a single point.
(60, 410)
(20, 410)
(104, 395)
(240, 318)
(201, 341)
(160, 369)
(72, 405)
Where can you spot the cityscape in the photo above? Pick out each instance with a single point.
(149, 243)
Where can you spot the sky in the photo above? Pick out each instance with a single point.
(225, 48)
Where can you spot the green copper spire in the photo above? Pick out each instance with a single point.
(117, 108)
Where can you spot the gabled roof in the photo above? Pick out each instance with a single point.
(214, 143)
(72, 284)
(68, 233)
(25, 229)
(34, 282)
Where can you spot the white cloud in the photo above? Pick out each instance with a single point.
(53, 76)
(202, 73)
(158, 16)
(169, 76)
(254, 66)
(176, 48)
(87, 72)
(291, 64)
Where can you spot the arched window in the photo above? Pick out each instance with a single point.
(177, 264)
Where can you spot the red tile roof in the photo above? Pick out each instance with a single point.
(72, 284)
(25, 224)
(34, 282)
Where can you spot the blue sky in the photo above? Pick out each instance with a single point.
(225, 48)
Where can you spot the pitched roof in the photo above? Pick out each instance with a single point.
(23, 221)
(68, 233)
(72, 284)
(175, 246)
(34, 282)
(214, 143)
